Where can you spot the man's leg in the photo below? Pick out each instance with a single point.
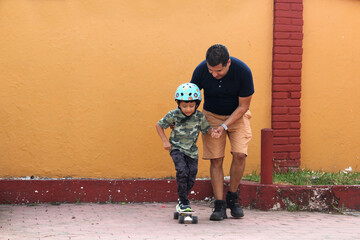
(239, 134)
(217, 177)
(237, 170)
(217, 182)
(214, 149)
(236, 173)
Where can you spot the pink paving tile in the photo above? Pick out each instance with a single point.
(155, 221)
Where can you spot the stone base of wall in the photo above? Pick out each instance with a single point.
(253, 195)
(309, 198)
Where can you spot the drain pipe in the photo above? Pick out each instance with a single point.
(267, 139)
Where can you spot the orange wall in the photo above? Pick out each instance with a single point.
(84, 82)
(330, 103)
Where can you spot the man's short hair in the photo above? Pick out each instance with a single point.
(217, 54)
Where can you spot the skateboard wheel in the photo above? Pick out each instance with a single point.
(195, 219)
(181, 219)
(176, 215)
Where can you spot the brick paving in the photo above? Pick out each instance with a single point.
(88, 221)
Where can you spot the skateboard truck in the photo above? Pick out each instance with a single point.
(186, 217)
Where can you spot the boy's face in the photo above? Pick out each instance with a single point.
(187, 108)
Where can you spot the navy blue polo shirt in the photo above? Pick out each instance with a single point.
(221, 96)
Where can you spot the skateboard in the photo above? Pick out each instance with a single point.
(186, 217)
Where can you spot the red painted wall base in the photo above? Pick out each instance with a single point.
(253, 195)
(95, 190)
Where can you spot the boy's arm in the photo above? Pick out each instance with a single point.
(211, 131)
(163, 137)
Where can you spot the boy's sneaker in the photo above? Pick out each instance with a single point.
(183, 206)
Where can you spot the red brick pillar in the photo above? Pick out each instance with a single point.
(286, 83)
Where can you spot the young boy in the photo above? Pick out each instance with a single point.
(188, 122)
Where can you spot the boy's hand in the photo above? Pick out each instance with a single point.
(215, 134)
(163, 137)
(167, 146)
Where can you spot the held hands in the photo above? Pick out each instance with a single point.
(216, 132)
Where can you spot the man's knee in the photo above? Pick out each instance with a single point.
(240, 157)
(216, 163)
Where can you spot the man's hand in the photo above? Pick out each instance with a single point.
(219, 130)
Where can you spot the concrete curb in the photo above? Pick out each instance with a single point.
(290, 197)
(253, 195)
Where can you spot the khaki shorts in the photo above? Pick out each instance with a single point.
(239, 134)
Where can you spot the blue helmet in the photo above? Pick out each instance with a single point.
(188, 92)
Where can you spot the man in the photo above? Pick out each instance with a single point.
(228, 88)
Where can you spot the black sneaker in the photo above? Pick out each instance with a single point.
(232, 201)
(219, 212)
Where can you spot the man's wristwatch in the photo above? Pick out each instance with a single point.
(224, 126)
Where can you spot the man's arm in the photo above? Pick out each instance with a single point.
(244, 104)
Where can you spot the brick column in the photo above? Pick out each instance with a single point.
(286, 83)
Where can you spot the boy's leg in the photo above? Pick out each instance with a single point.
(193, 169)
(182, 173)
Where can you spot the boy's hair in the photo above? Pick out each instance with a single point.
(217, 54)
(196, 101)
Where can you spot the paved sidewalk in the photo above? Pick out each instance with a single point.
(155, 221)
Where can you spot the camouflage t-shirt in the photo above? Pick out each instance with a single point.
(186, 131)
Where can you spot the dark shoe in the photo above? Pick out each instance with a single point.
(232, 201)
(219, 212)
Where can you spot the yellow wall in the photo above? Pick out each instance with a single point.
(84, 82)
(330, 103)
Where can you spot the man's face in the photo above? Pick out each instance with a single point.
(219, 71)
